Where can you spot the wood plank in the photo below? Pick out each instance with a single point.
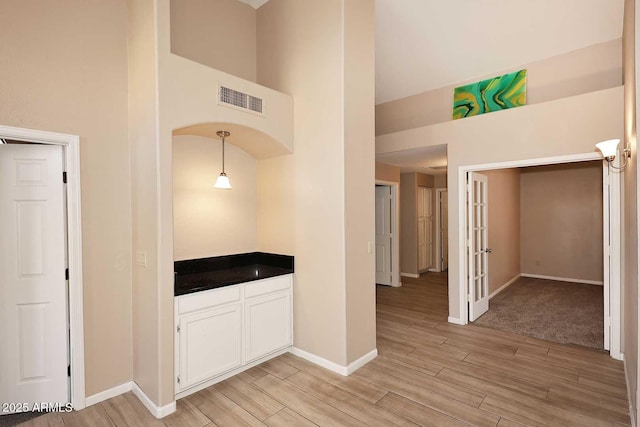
(278, 368)
(348, 403)
(416, 412)
(250, 398)
(286, 418)
(304, 404)
(126, 410)
(93, 416)
(186, 415)
(354, 385)
(47, 420)
(221, 410)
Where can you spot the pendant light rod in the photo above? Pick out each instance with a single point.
(223, 180)
(223, 134)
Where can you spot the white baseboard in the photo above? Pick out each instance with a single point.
(108, 394)
(433, 270)
(415, 276)
(503, 287)
(361, 361)
(564, 279)
(334, 367)
(456, 321)
(156, 411)
(632, 413)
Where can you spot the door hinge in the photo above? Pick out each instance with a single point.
(64, 177)
(178, 329)
(178, 380)
(66, 274)
(69, 370)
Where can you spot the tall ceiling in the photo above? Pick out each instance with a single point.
(428, 44)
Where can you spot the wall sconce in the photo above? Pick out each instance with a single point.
(223, 180)
(609, 150)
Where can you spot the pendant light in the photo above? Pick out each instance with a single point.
(223, 180)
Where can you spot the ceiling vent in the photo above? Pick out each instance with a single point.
(240, 100)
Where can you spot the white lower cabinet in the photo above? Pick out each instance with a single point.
(223, 331)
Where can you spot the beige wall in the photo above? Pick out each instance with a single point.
(218, 33)
(531, 132)
(630, 236)
(143, 137)
(408, 224)
(385, 172)
(561, 221)
(585, 70)
(440, 181)
(424, 180)
(209, 221)
(298, 43)
(359, 167)
(67, 72)
(504, 226)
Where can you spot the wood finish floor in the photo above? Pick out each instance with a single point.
(428, 373)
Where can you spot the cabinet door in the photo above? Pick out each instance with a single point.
(210, 344)
(268, 324)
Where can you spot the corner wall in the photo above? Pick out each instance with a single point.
(303, 49)
(504, 226)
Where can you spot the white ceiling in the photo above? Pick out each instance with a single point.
(428, 44)
(418, 159)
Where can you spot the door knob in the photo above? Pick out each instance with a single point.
(488, 250)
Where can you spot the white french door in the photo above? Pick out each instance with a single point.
(384, 235)
(33, 294)
(477, 245)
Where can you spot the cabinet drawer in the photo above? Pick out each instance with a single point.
(207, 299)
(266, 286)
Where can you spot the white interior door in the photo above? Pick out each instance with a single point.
(33, 302)
(444, 231)
(425, 227)
(384, 235)
(477, 245)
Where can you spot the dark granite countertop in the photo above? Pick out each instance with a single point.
(216, 272)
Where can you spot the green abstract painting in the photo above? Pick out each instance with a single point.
(498, 93)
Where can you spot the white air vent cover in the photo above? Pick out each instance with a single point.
(240, 100)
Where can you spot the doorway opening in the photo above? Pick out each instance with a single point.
(50, 364)
(478, 247)
(387, 245)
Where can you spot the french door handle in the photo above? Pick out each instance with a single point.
(488, 250)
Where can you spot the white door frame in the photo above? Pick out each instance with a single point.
(395, 230)
(438, 243)
(614, 279)
(71, 150)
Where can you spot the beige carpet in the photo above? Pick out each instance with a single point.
(568, 313)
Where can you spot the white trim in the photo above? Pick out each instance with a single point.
(505, 286)
(395, 231)
(334, 367)
(456, 321)
(563, 279)
(156, 411)
(415, 276)
(361, 361)
(632, 413)
(108, 394)
(320, 361)
(71, 145)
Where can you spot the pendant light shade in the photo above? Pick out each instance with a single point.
(223, 180)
